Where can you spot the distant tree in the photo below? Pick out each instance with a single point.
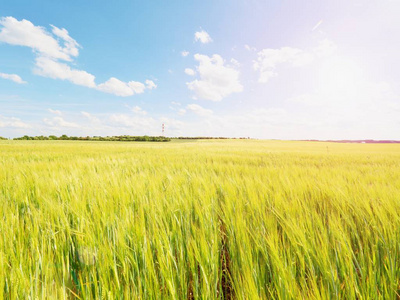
(122, 138)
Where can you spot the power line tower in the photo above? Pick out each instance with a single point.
(163, 129)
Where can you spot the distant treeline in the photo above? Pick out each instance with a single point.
(121, 138)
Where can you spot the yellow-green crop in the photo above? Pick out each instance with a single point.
(205, 219)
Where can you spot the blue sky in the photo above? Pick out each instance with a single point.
(265, 69)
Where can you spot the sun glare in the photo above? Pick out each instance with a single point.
(340, 75)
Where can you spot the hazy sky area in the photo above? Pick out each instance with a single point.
(287, 69)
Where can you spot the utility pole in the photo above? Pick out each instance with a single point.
(163, 129)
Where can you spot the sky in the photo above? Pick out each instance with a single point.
(268, 69)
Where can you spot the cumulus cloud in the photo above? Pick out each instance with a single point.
(185, 53)
(141, 124)
(47, 67)
(90, 117)
(260, 122)
(176, 106)
(150, 84)
(55, 111)
(120, 88)
(269, 59)
(217, 80)
(202, 37)
(325, 48)
(181, 111)
(59, 122)
(249, 48)
(190, 72)
(172, 125)
(24, 33)
(130, 121)
(53, 53)
(12, 122)
(12, 77)
(235, 62)
(138, 110)
(70, 45)
(198, 110)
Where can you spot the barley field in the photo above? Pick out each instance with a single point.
(234, 219)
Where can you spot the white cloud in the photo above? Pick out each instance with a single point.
(203, 37)
(131, 121)
(325, 48)
(12, 77)
(135, 124)
(198, 110)
(55, 111)
(138, 110)
(47, 67)
(120, 88)
(172, 125)
(12, 122)
(175, 106)
(262, 122)
(90, 117)
(269, 59)
(235, 63)
(24, 33)
(70, 45)
(49, 53)
(185, 53)
(59, 122)
(124, 89)
(217, 80)
(181, 112)
(249, 48)
(190, 72)
(150, 84)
